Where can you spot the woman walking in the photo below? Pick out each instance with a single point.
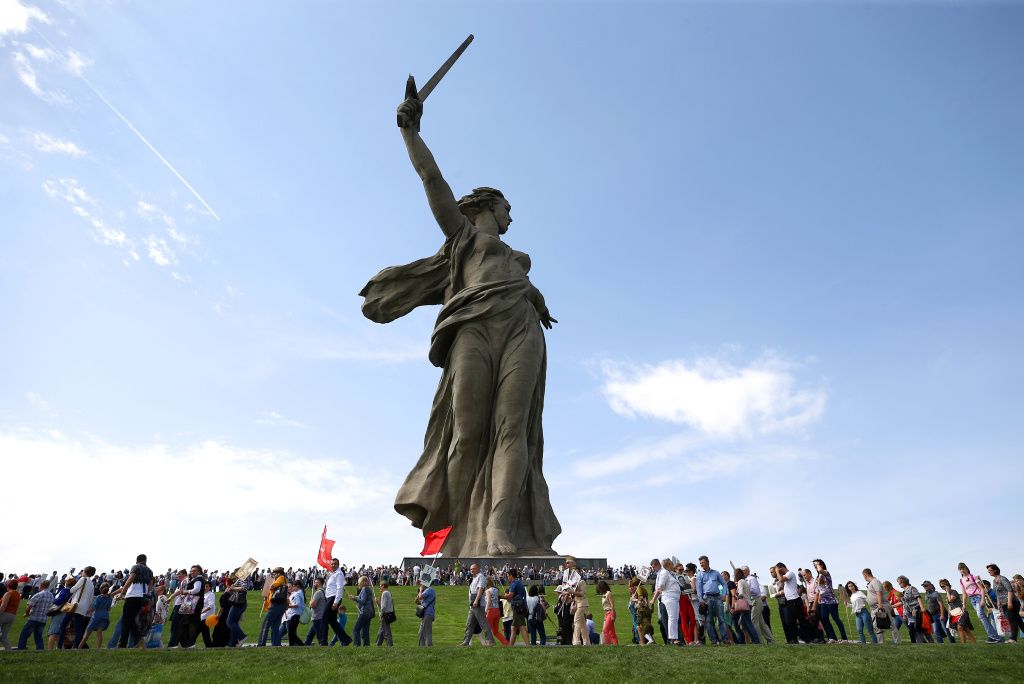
(608, 635)
(296, 604)
(827, 604)
(99, 617)
(975, 593)
(239, 602)
(958, 615)
(8, 611)
(741, 607)
(1006, 601)
(859, 610)
(492, 602)
(364, 601)
(426, 599)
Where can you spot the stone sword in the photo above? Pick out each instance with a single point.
(410, 85)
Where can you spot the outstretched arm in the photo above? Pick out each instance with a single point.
(439, 195)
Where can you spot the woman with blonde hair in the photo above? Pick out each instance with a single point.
(364, 600)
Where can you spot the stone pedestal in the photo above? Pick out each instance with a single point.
(502, 561)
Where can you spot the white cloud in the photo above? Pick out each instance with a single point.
(714, 396)
(151, 212)
(159, 251)
(276, 419)
(46, 143)
(26, 74)
(185, 501)
(37, 401)
(40, 54)
(15, 16)
(76, 63)
(72, 192)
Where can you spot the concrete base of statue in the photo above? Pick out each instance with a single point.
(501, 561)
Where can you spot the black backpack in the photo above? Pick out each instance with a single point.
(539, 614)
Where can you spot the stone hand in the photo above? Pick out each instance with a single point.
(411, 109)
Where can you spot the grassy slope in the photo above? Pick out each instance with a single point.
(446, 662)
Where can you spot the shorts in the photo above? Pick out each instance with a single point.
(56, 622)
(98, 624)
(518, 620)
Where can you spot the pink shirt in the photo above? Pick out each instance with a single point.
(970, 585)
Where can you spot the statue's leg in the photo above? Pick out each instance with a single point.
(521, 365)
(472, 369)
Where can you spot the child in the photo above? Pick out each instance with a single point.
(342, 621)
(100, 616)
(296, 604)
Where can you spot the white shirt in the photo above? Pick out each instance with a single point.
(790, 587)
(755, 587)
(84, 585)
(668, 585)
(209, 604)
(479, 582)
(335, 583)
(299, 600)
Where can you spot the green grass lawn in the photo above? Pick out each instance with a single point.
(447, 662)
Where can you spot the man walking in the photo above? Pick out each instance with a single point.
(334, 592)
(137, 585)
(35, 611)
(795, 616)
(710, 584)
(757, 598)
(477, 615)
(878, 601)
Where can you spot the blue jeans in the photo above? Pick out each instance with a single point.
(35, 628)
(234, 624)
(536, 628)
(361, 630)
(864, 624)
(317, 630)
(990, 628)
(741, 621)
(271, 625)
(939, 629)
(716, 612)
(828, 612)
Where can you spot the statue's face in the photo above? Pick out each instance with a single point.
(502, 215)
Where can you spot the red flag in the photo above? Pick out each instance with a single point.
(433, 542)
(326, 550)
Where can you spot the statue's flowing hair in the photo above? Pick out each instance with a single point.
(479, 200)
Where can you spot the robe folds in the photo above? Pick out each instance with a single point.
(489, 343)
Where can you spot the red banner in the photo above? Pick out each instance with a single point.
(326, 552)
(433, 541)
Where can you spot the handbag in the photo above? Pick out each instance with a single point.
(421, 611)
(740, 605)
(188, 604)
(388, 617)
(306, 616)
(72, 606)
(882, 620)
(956, 612)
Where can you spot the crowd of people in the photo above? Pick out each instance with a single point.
(695, 605)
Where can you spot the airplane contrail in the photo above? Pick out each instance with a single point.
(134, 130)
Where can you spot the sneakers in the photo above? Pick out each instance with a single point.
(993, 640)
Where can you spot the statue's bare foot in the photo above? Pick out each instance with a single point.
(498, 543)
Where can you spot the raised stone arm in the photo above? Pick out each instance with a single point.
(439, 194)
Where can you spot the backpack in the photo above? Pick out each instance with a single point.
(539, 613)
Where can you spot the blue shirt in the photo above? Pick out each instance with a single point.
(710, 582)
(517, 589)
(429, 599)
(101, 607)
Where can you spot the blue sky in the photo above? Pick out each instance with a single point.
(783, 241)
